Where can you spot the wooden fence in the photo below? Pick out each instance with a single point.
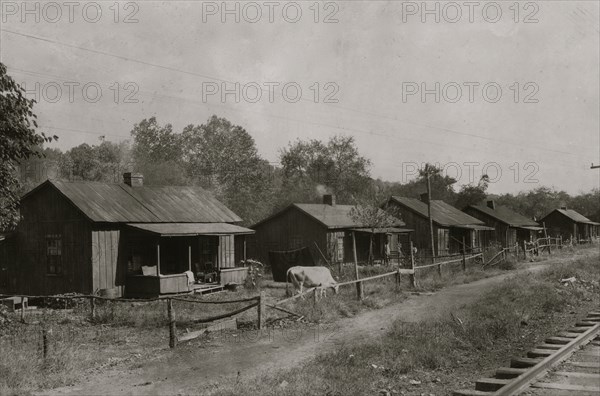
(258, 302)
(534, 248)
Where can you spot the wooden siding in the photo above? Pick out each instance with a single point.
(107, 274)
(503, 234)
(421, 237)
(226, 251)
(48, 213)
(558, 224)
(233, 275)
(291, 229)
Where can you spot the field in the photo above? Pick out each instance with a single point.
(126, 337)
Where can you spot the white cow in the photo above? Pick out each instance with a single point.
(319, 277)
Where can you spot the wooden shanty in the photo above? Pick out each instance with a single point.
(509, 226)
(123, 239)
(450, 225)
(326, 229)
(570, 225)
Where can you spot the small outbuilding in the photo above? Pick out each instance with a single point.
(571, 225)
(450, 225)
(510, 227)
(122, 239)
(326, 229)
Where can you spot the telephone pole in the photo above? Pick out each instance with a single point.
(428, 171)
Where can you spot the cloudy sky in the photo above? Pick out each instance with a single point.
(512, 88)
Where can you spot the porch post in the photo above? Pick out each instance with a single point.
(189, 257)
(158, 258)
(244, 248)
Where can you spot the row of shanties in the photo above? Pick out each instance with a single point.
(134, 240)
(326, 229)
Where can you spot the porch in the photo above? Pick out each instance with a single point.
(173, 258)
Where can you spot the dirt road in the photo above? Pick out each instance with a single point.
(191, 369)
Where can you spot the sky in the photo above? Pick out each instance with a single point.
(510, 89)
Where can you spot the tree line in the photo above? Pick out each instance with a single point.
(223, 158)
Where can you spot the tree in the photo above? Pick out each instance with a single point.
(19, 142)
(156, 152)
(223, 158)
(471, 194)
(312, 167)
(368, 213)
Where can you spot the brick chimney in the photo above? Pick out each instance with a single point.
(424, 197)
(491, 204)
(563, 207)
(329, 199)
(133, 179)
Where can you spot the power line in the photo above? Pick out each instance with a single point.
(304, 99)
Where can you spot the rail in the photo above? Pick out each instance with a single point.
(524, 380)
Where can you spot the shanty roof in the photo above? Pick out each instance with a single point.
(331, 216)
(192, 229)
(575, 216)
(385, 230)
(441, 213)
(506, 215)
(120, 203)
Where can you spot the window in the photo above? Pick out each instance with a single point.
(340, 249)
(53, 254)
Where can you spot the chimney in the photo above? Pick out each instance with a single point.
(491, 204)
(563, 207)
(133, 179)
(329, 199)
(424, 198)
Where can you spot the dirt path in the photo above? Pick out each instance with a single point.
(194, 368)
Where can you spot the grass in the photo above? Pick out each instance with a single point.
(133, 332)
(438, 355)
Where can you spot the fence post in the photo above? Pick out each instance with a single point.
(261, 309)
(398, 275)
(44, 343)
(22, 309)
(412, 277)
(171, 314)
(464, 252)
(360, 291)
(93, 307)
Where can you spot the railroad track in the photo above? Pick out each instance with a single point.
(567, 364)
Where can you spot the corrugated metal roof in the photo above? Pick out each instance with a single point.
(190, 229)
(335, 216)
(119, 203)
(441, 213)
(575, 216)
(331, 216)
(506, 215)
(389, 230)
(182, 204)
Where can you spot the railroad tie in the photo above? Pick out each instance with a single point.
(536, 353)
(490, 384)
(549, 346)
(558, 340)
(509, 372)
(521, 362)
(470, 392)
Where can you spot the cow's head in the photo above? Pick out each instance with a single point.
(336, 288)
